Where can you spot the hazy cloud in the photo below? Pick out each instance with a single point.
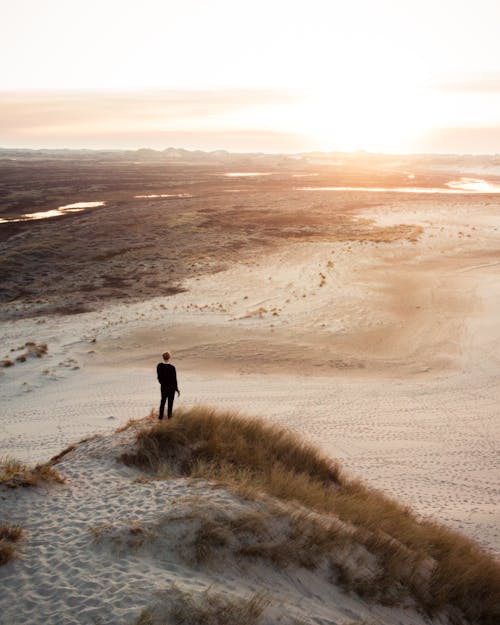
(204, 119)
(461, 141)
(98, 118)
(473, 86)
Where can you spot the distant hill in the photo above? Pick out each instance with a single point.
(441, 162)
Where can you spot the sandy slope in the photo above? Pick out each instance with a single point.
(84, 561)
(391, 365)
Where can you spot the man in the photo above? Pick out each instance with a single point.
(167, 377)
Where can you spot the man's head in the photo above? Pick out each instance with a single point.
(166, 356)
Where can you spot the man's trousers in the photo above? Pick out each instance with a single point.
(167, 395)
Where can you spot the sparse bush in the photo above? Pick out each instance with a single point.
(128, 535)
(207, 608)
(33, 349)
(137, 423)
(231, 442)
(37, 349)
(258, 312)
(281, 534)
(7, 552)
(14, 474)
(9, 534)
(256, 458)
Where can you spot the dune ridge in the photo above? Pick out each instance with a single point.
(155, 522)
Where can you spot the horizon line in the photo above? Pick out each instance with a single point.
(247, 153)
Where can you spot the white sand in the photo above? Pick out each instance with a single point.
(404, 339)
(392, 366)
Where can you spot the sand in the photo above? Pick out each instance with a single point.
(389, 361)
(371, 330)
(105, 545)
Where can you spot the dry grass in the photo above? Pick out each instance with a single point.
(255, 458)
(14, 474)
(7, 552)
(279, 534)
(228, 443)
(176, 607)
(361, 230)
(9, 534)
(58, 457)
(137, 423)
(286, 535)
(33, 349)
(36, 349)
(123, 537)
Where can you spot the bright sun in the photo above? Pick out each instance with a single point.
(363, 115)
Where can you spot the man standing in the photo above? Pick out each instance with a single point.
(167, 377)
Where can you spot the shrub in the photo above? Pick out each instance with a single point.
(14, 474)
(7, 552)
(207, 608)
(36, 349)
(9, 534)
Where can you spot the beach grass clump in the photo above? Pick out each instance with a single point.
(11, 532)
(280, 534)
(7, 552)
(9, 535)
(14, 474)
(35, 349)
(178, 607)
(285, 535)
(138, 424)
(226, 442)
(257, 459)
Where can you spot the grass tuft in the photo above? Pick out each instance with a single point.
(14, 474)
(136, 423)
(36, 349)
(7, 552)
(9, 534)
(176, 607)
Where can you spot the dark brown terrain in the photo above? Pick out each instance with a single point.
(135, 248)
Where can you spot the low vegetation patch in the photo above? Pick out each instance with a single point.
(31, 349)
(360, 230)
(257, 459)
(286, 535)
(177, 607)
(14, 474)
(9, 535)
(203, 439)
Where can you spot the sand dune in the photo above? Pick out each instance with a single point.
(113, 542)
(394, 357)
(368, 324)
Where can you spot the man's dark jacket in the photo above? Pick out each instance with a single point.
(167, 376)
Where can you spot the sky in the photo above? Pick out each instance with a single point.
(272, 76)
